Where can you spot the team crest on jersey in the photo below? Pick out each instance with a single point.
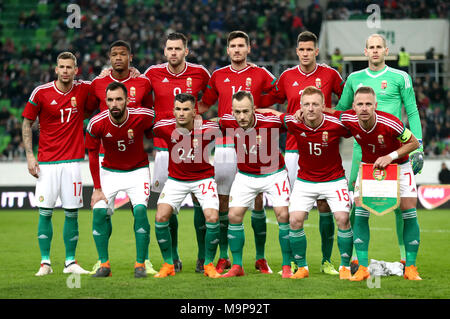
(130, 136)
(189, 82)
(157, 183)
(132, 91)
(318, 83)
(73, 101)
(41, 198)
(258, 140)
(383, 84)
(325, 138)
(379, 174)
(162, 196)
(381, 139)
(248, 82)
(195, 142)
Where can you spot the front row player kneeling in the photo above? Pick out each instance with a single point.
(261, 169)
(384, 140)
(189, 172)
(125, 168)
(321, 174)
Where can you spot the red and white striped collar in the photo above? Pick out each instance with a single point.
(61, 92)
(310, 73)
(176, 74)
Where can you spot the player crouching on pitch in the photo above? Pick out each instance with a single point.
(189, 172)
(125, 167)
(261, 169)
(320, 174)
(384, 139)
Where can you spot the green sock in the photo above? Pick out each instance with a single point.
(236, 238)
(141, 232)
(345, 245)
(101, 233)
(259, 226)
(361, 235)
(298, 243)
(45, 233)
(164, 241)
(399, 226)
(411, 235)
(200, 230)
(326, 228)
(283, 238)
(70, 233)
(352, 222)
(173, 226)
(211, 241)
(223, 235)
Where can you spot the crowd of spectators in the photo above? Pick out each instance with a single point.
(272, 26)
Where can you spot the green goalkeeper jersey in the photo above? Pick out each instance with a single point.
(392, 87)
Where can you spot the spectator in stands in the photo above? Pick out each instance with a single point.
(4, 116)
(336, 60)
(444, 175)
(403, 60)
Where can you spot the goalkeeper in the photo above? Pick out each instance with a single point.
(393, 88)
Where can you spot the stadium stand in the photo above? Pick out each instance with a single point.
(32, 33)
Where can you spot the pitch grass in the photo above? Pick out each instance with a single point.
(19, 261)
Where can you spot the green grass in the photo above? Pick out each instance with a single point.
(19, 261)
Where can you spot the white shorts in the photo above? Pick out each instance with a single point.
(291, 160)
(305, 194)
(160, 171)
(175, 192)
(61, 180)
(408, 186)
(225, 169)
(135, 183)
(245, 188)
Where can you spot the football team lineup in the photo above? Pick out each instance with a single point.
(164, 104)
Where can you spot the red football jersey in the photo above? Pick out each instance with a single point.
(293, 81)
(139, 91)
(380, 140)
(188, 151)
(123, 144)
(226, 81)
(166, 85)
(257, 147)
(319, 157)
(61, 118)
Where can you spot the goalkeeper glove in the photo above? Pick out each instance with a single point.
(416, 159)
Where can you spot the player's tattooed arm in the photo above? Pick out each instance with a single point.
(27, 137)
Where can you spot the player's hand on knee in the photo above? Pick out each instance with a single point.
(97, 195)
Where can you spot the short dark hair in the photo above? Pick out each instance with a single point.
(238, 34)
(306, 36)
(117, 85)
(178, 36)
(240, 95)
(365, 90)
(65, 56)
(120, 43)
(184, 97)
